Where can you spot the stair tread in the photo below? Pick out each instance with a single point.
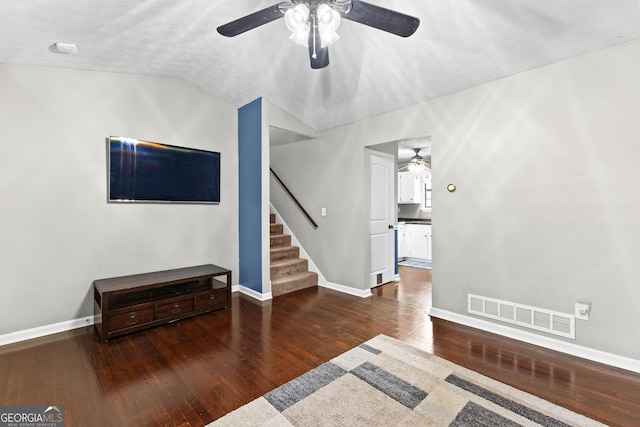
(281, 248)
(286, 261)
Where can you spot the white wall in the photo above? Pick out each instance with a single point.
(547, 168)
(57, 232)
(318, 173)
(308, 169)
(548, 200)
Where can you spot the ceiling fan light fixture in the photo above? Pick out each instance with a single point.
(416, 167)
(313, 23)
(328, 23)
(327, 38)
(297, 20)
(328, 17)
(297, 17)
(301, 36)
(417, 163)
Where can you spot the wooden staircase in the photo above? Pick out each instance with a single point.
(289, 272)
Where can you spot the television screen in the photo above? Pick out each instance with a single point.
(147, 172)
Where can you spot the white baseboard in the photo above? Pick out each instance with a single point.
(41, 331)
(68, 325)
(253, 294)
(539, 340)
(362, 293)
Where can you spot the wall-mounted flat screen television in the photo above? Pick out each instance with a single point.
(148, 172)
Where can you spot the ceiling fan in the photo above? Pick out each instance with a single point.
(417, 163)
(313, 23)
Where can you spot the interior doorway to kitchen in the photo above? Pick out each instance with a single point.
(412, 202)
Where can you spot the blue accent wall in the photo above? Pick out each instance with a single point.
(250, 194)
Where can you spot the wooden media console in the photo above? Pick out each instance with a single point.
(132, 303)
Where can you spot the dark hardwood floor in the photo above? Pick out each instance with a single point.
(196, 370)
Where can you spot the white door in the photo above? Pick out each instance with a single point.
(381, 218)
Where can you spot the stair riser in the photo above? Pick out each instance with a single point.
(276, 229)
(296, 285)
(293, 252)
(287, 270)
(278, 241)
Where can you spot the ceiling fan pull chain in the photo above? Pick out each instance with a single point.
(315, 23)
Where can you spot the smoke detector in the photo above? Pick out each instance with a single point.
(65, 48)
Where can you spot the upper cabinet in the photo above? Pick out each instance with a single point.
(427, 192)
(409, 188)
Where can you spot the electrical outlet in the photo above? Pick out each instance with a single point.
(583, 309)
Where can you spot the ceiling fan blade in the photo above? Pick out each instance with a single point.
(251, 21)
(383, 19)
(318, 55)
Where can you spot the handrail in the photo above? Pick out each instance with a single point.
(306, 214)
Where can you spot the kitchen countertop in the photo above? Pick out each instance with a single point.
(415, 221)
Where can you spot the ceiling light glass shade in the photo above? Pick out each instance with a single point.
(301, 36)
(328, 38)
(297, 17)
(416, 167)
(328, 23)
(297, 20)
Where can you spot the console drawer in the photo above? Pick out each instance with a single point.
(214, 297)
(174, 308)
(130, 319)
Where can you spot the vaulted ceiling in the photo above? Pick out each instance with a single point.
(459, 44)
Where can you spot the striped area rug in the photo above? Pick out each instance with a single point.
(416, 263)
(385, 382)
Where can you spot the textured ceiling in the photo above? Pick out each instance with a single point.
(459, 44)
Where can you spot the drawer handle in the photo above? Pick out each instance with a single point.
(213, 296)
(132, 315)
(133, 322)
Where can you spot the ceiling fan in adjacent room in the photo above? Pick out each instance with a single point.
(417, 163)
(313, 23)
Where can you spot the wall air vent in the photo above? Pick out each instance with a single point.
(552, 322)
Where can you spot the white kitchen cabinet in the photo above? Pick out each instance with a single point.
(415, 241)
(402, 242)
(409, 188)
(427, 192)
